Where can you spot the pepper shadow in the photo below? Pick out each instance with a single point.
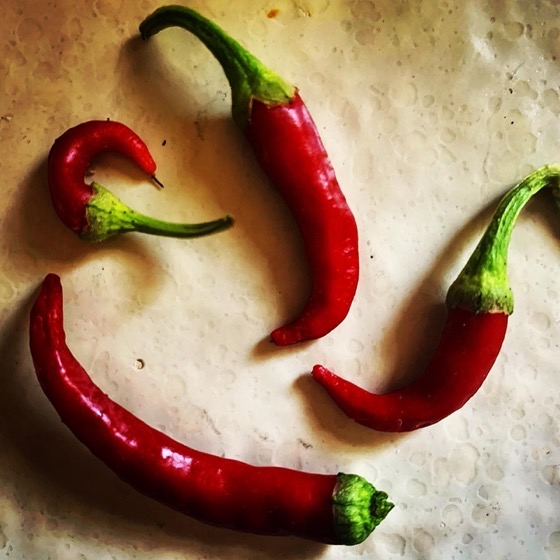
(38, 241)
(403, 363)
(422, 337)
(222, 166)
(54, 467)
(545, 207)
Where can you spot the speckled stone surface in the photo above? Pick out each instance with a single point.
(430, 111)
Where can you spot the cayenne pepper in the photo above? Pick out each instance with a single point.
(287, 145)
(334, 509)
(93, 212)
(479, 303)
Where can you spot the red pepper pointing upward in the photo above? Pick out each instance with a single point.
(334, 509)
(93, 212)
(287, 145)
(479, 301)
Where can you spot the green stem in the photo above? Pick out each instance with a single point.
(108, 216)
(358, 508)
(248, 77)
(482, 286)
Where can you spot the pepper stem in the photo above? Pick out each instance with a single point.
(358, 508)
(108, 216)
(248, 77)
(483, 286)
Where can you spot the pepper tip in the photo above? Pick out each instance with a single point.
(157, 181)
(320, 373)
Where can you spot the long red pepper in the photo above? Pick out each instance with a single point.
(288, 147)
(90, 210)
(335, 509)
(479, 303)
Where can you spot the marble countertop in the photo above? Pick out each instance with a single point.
(430, 111)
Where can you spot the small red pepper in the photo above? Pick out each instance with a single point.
(288, 147)
(479, 302)
(93, 212)
(334, 509)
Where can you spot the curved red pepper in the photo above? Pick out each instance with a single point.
(93, 212)
(479, 303)
(335, 509)
(468, 348)
(288, 147)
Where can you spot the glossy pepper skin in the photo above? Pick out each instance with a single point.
(479, 303)
(287, 145)
(90, 210)
(468, 348)
(334, 509)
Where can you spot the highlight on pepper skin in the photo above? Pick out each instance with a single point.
(328, 508)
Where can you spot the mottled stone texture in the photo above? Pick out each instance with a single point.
(430, 111)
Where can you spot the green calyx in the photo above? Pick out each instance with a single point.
(248, 78)
(483, 286)
(358, 508)
(107, 216)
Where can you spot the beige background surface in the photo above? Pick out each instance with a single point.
(430, 111)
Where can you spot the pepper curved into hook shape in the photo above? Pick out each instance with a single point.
(90, 210)
(287, 145)
(479, 303)
(334, 509)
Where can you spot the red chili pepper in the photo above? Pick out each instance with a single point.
(288, 147)
(92, 211)
(335, 509)
(479, 301)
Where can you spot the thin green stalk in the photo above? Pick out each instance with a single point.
(248, 77)
(483, 286)
(108, 216)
